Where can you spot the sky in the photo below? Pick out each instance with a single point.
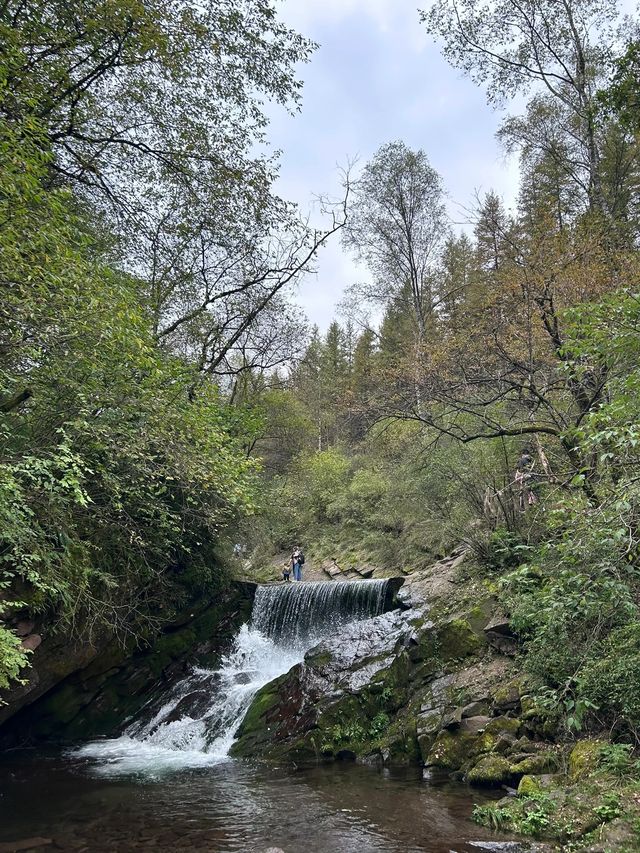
(377, 77)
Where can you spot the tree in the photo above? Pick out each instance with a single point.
(560, 49)
(144, 265)
(362, 385)
(622, 95)
(397, 225)
(459, 265)
(491, 232)
(153, 115)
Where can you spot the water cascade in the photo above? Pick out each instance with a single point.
(194, 723)
(300, 613)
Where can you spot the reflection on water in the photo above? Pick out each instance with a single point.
(234, 806)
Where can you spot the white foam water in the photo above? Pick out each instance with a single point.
(195, 725)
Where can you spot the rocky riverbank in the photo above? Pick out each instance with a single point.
(438, 684)
(434, 682)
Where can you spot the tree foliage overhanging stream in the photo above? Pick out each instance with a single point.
(162, 396)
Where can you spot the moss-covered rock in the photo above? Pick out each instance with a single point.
(541, 762)
(399, 743)
(457, 640)
(490, 770)
(451, 750)
(584, 758)
(170, 647)
(318, 659)
(255, 732)
(503, 725)
(450, 640)
(529, 786)
(507, 696)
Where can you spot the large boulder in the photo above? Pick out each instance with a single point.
(584, 757)
(491, 770)
(340, 700)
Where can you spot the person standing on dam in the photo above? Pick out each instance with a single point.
(297, 562)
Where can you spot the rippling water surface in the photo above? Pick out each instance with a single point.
(233, 806)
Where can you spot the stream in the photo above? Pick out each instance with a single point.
(234, 806)
(167, 783)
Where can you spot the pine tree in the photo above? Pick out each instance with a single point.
(492, 225)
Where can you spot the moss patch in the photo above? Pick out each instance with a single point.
(541, 762)
(490, 770)
(585, 757)
(595, 813)
(457, 640)
(451, 750)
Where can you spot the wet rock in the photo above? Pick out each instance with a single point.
(327, 705)
(24, 844)
(31, 642)
(404, 596)
(24, 627)
(192, 704)
(82, 690)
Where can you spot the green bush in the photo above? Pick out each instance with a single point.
(611, 678)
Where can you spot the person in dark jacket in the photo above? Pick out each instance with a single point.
(297, 562)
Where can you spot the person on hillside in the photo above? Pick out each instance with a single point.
(524, 479)
(286, 572)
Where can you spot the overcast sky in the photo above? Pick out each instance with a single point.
(378, 77)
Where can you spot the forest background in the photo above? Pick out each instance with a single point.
(161, 394)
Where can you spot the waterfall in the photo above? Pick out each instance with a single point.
(298, 613)
(195, 722)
